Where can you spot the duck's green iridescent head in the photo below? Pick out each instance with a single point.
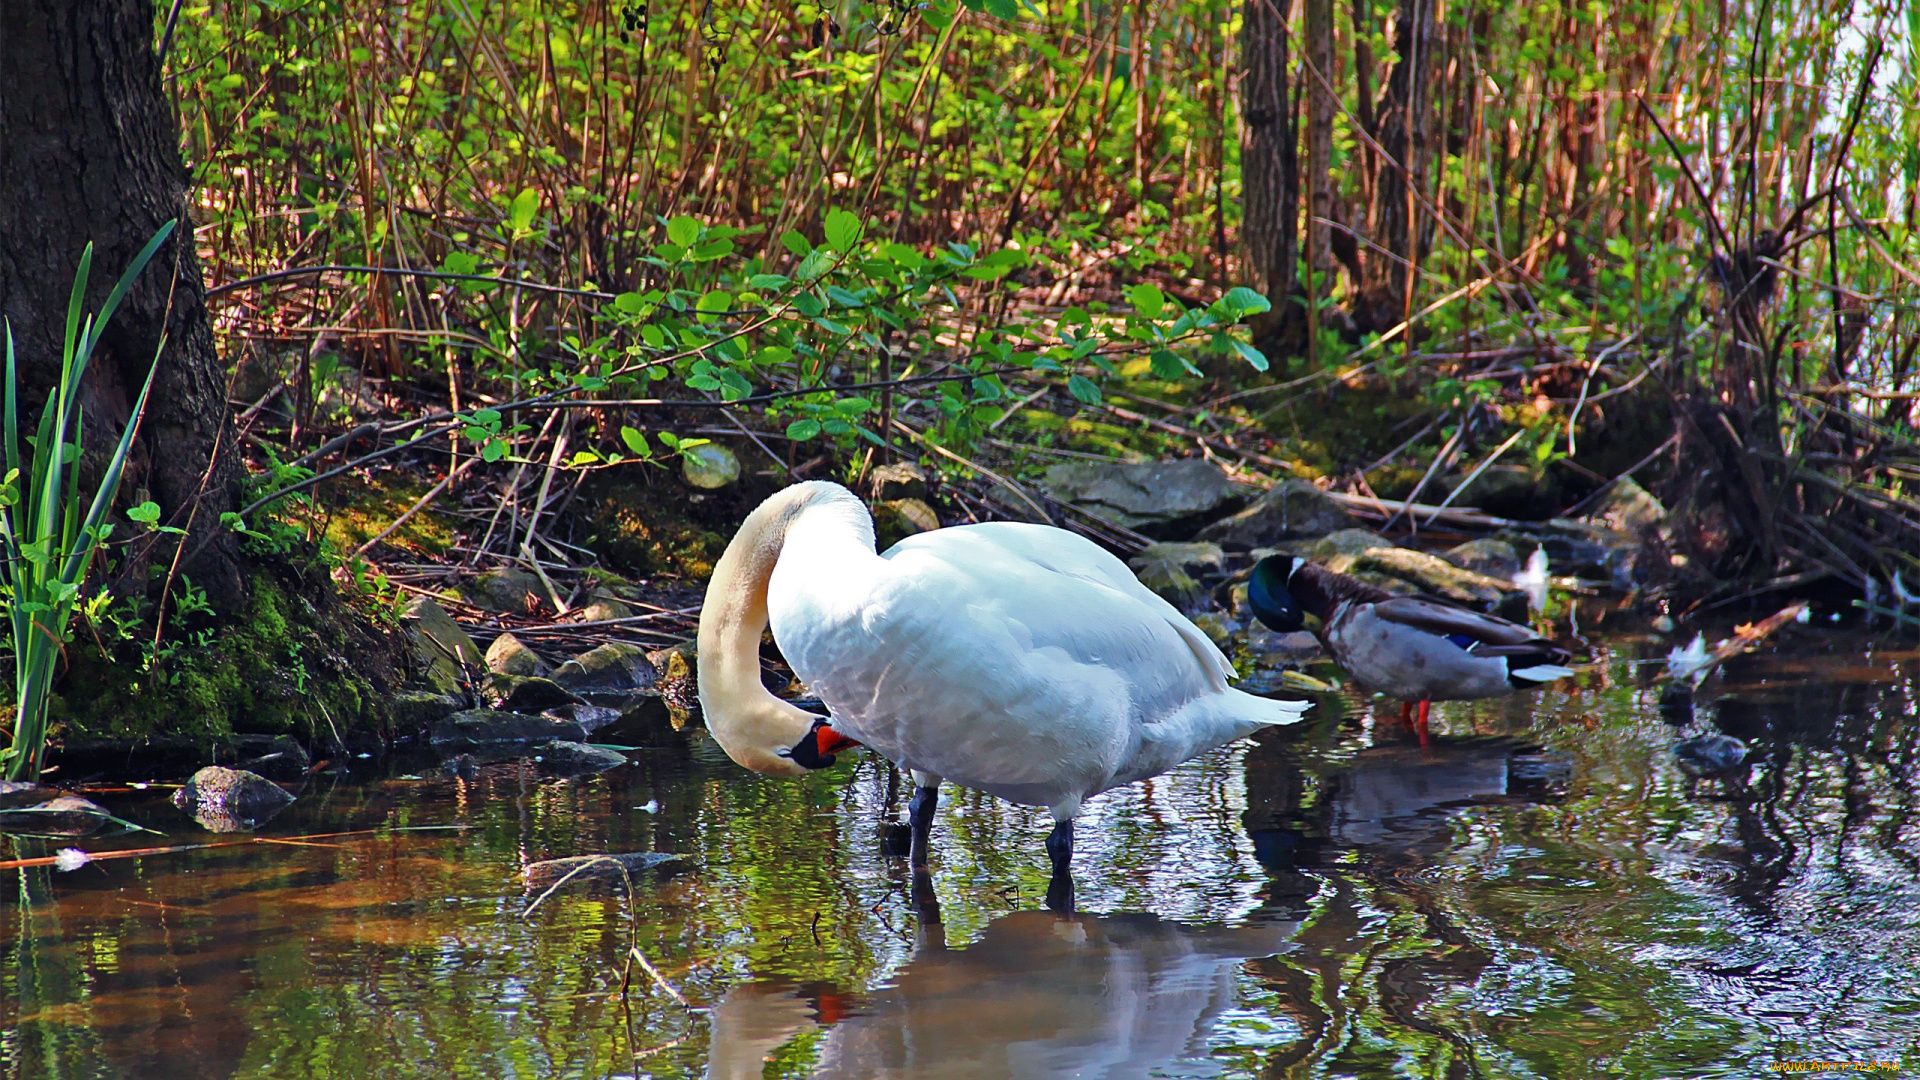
(1272, 601)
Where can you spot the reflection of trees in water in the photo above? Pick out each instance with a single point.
(1428, 948)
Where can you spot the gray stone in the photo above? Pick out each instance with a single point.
(1170, 569)
(1504, 491)
(1275, 649)
(591, 718)
(907, 516)
(277, 757)
(540, 875)
(1629, 508)
(1494, 558)
(62, 815)
(231, 800)
(577, 759)
(443, 652)
(1338, 550)
(600, 608)
(1158, 498)
(485, 729)
(17, 793)
(1435, 576)
(1216, 627)
(1386, 583)
(710, 466)
(1290, 510)
(901, 480)
(615, 667)
(1580, 549)
(527, 694)
(418, 710)
(508, 655)
(506, 589)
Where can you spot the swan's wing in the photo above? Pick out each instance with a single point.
(1075, 556)
(998, 657)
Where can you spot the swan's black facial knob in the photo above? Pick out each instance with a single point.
(817, 749)
(1267, 593)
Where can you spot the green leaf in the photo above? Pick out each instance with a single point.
(802, 430)
(1147, 299)
(842, 230)
(146, 513)
(796, 244)
(1242, 302)
(629, 303)
(1166, 365)
(636, 441)
(1250, 354)
(493, 450)
(683, 230)
(1083, 388)
(713, 304)
(521, 210)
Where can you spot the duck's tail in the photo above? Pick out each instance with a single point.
(1537, 675)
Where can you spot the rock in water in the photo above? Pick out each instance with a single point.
(488, 729)
(539, 875)
(231, 800)
(62, 815)
(613, 668)
(571, 759)
(1710, 755)
(443, 651)
(1173, 570)
(508, 655)
(1494, 558)
(17, 793)
(1290, 510)
(1158, 498)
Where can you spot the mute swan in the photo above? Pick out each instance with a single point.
(1020, 660)
(1414, 648)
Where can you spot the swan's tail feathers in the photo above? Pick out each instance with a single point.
(1538, 674)
(1272, 712)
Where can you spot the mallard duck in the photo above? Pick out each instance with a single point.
(1020, 660)
(1415, 648)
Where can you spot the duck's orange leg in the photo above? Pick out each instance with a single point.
(1420, 727)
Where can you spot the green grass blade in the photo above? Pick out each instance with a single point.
(80, 555)
(120, 287)
(75, 302)
(12, 407)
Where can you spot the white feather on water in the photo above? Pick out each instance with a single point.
(1687, 663)
(1533, 580)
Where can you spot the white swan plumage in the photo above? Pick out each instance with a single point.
(1020, 660)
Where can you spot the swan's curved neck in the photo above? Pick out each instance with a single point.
(750, 723)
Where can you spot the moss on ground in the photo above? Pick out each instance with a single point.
(281, 666)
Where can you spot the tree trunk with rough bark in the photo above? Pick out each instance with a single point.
(1399, 230)
(1270, 174)
(1317, 77)
(89, 152)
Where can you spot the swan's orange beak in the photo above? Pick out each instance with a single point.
(829, 741)
(816, 750)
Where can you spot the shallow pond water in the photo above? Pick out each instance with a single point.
(1541, 893)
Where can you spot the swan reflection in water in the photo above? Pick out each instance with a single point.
(1039, 995)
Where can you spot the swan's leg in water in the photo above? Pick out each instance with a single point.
(926, 796)
(1060, 850)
